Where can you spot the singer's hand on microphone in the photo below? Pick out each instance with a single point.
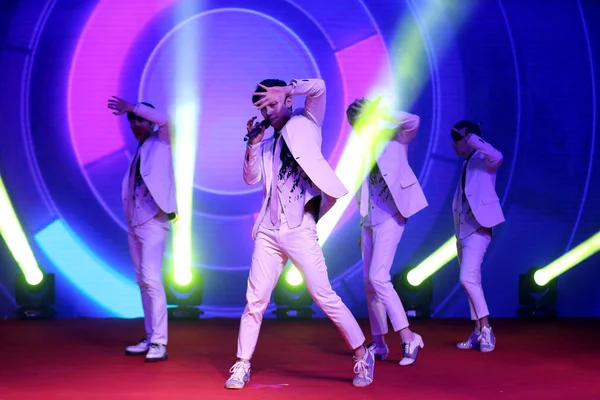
(250, 126)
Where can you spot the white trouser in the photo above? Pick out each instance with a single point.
(271, 252)
(379, 244)
(147, 246)
(470, 256)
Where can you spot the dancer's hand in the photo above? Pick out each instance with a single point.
(275, 95)
(120, 106)
(365, 108)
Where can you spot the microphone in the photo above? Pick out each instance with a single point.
(252, 134)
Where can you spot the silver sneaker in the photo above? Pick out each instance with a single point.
(472, 343)
(380, 352)
(410, 351)
(363, 368)
(157, 352)
(487, 340)
(138, 349)
(240, 375)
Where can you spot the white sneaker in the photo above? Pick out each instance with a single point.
(240, 375)
(410, 351)
(138, 349)
(363, 368)
(157, 352)
(472, 343)
(487, 340)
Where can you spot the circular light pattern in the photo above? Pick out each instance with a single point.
(34, 277)
(540, 277)
(414, 278)
(224, 104)
(293, 277)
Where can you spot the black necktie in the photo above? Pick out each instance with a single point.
(138, 175)
(275, 137)
(274, 200)
(463, 180)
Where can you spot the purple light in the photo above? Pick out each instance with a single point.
(95, 70)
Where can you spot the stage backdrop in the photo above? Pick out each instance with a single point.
(526, 69)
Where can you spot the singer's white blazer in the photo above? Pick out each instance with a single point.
(302, 134)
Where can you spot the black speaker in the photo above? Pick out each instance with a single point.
(537, 301)
(35, 300)
(415, 299)
(292, 301)
(185, 298)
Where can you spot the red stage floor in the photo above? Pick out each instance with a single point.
(84, 359)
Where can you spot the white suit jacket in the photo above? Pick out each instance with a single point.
(302, 134)
(480, 184)
(393, 163)
(156, 164)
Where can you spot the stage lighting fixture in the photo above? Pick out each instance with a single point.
(536, 301)
(568, 260)
(16, 239)
(432, 263)
(184, 299)
(291, 298)
(416, 299)
(35, 300)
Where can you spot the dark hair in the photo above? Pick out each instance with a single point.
(131, 115)
(465, 127)
(267, 83)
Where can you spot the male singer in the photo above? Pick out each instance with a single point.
(476, 210)
(390, 193)
(149, 200)
(299, 186)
